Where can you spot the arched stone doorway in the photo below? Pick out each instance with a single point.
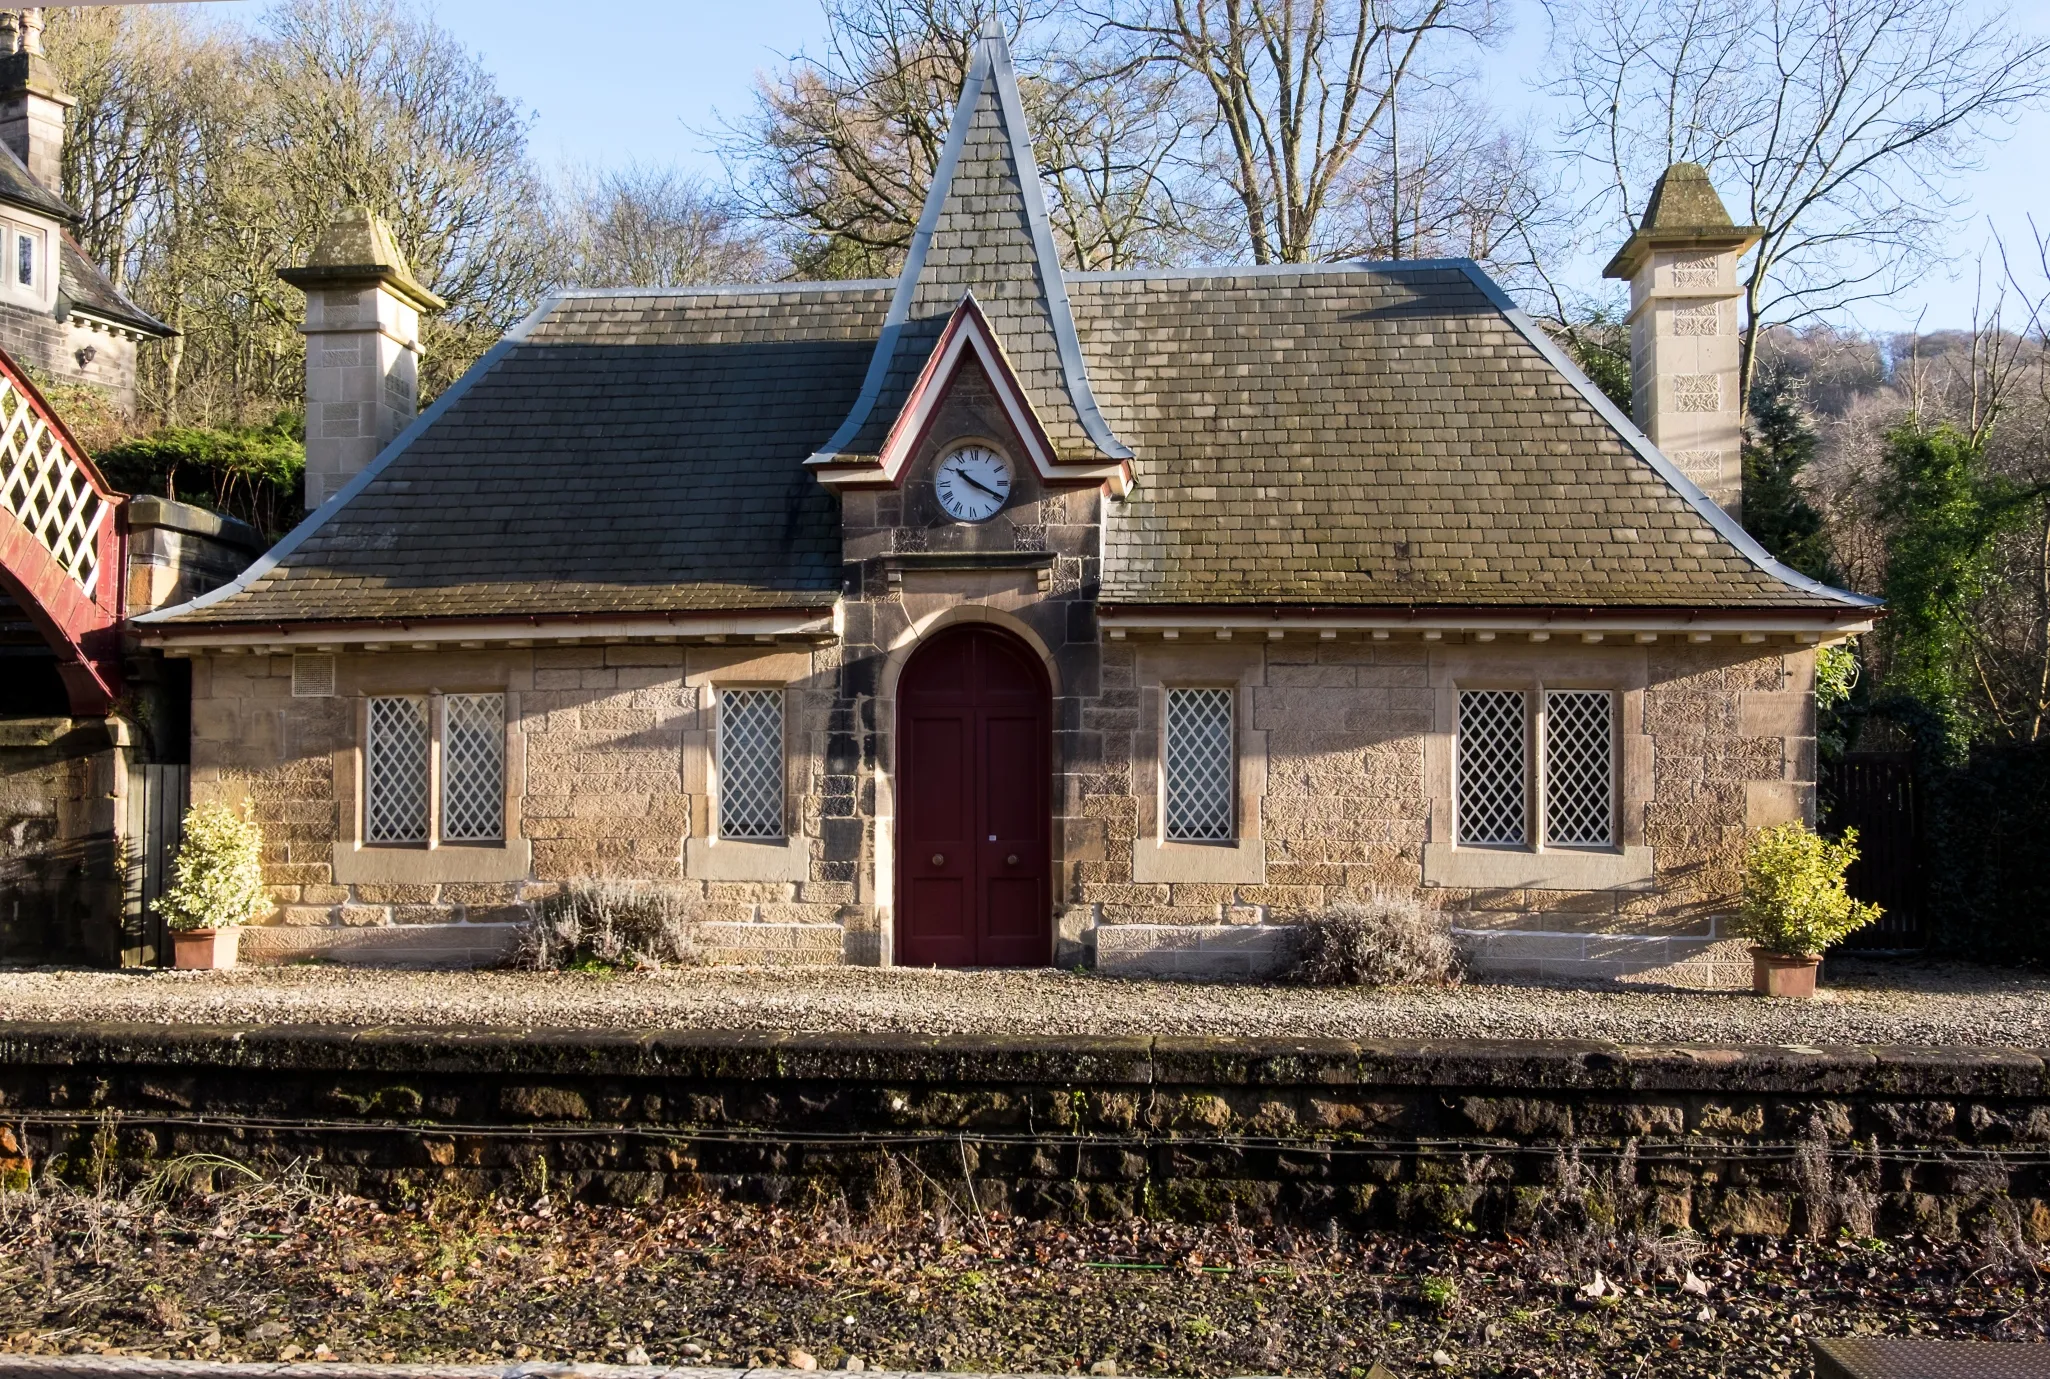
(974, 817)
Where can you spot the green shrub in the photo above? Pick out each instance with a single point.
(1795, 901)
(251, 472)
(219, 871)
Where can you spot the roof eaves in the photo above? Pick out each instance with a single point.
(319, 518)
(1725, 525)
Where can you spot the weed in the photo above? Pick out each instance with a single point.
(604, 926)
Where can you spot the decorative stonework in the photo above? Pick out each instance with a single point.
(1704, 467)
(1697, 392)
(1695, 272)
(1698, 319)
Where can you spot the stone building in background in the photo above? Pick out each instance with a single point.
(1003, 615)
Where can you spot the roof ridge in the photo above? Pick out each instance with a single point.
(586, 294)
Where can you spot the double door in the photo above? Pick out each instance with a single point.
(974, 747)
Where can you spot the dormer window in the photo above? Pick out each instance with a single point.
(24, 248)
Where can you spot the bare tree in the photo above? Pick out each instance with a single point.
(655, 227)
(1299, 89)
(1841, 127)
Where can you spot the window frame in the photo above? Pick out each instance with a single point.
(1537, 767)
(435, 836)
(1233, 822)
(717, 764)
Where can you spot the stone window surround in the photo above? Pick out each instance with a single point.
(706, 856)
(357, 862)
(1224, 665)
(1533, 670)
(42, 293)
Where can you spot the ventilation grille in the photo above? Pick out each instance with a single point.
(1491, 768)
(313, 677)
(1199, 765)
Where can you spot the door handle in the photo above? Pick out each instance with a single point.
(939, 859)
(1012, 860)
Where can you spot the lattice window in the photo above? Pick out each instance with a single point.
(1579, 768)
(47, 490)
(751, 763)
(395, 772)
(1492, 768)
(473, 768)
(1199, 761)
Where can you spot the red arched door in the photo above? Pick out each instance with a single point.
(974, 768)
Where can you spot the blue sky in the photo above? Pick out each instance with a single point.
(617, 81)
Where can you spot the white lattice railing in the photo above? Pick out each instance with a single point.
(47, 490)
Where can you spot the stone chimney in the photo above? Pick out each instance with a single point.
(362, 348)
(1682, 269)
(32, 104)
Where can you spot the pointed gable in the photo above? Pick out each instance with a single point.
(984, 233)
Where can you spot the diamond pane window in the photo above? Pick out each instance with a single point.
(395, 772)
(1491, 768)
(473, 768)
(1199, 761)
(1579, 756)
(751, 763)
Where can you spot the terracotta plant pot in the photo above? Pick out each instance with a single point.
(204, 950)
(1783, 974)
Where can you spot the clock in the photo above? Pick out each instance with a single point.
(973, 483)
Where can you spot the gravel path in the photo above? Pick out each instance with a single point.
(1863, 1003)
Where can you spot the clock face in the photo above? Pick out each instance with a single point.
(972, 483)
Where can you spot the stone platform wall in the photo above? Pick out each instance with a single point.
(1427, 1135)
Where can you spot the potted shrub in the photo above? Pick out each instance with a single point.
(218, 885)
(1795, 905)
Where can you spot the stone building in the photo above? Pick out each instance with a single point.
(61, 316)
(1003, 615)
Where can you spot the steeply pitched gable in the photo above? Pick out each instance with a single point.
(983, 230)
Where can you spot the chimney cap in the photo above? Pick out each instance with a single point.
(1684, 213)
(358, 249)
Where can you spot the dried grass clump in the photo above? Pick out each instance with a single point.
(1388, 939)
(609, 925)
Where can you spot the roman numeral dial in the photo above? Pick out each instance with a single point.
(973, 483)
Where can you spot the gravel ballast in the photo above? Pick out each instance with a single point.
(1864, 1003)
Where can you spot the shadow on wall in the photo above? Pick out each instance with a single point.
(60, 887)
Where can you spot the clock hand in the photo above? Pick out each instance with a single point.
(973, 482)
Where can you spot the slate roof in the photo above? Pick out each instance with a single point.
(983, 229)
(1346, 435)
(633, 454)
(81, 284)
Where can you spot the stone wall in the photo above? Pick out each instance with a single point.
(61, 785)
(606, 778)
(1448, 1134)
(1346, 779)
(1344, 790)
(71, 353)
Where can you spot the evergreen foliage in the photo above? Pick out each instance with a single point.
(1944, 512)
(1795, 901)
(219, 871)
(256, 473)
(1779, 444)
